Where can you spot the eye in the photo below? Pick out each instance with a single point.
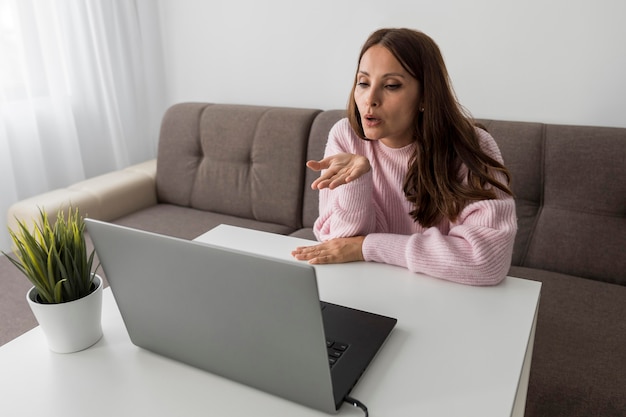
(362, 84)
(393, 86)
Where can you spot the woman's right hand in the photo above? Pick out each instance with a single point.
(338, 170)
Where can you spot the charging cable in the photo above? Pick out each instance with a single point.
(357, 403)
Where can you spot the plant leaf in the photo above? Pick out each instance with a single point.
(58, 291)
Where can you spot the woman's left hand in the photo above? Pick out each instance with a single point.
(338, 250)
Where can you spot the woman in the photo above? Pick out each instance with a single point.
(407, 179)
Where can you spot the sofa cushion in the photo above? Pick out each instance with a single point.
(179, 153)
(570, 202)
(188, 223)
(241, 161)
(304, 233)
(582, 228)
(579, 360)
(521, 145)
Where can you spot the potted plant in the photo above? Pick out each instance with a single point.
(66, 297)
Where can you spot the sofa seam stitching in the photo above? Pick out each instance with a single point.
(541, 195)
(202, 156)
(253, 144)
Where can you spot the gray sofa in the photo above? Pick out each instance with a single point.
(244, 165)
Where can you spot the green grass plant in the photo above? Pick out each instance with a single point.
(54, 257)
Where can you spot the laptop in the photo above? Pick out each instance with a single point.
(252, 319)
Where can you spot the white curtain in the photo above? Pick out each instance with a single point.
(81, 92)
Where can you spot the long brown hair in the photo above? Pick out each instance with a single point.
(445, 136)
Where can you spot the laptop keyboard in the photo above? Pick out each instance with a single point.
(335, 351)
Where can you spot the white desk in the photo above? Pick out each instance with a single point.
(456, 350)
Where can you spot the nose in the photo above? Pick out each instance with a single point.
(372, 98)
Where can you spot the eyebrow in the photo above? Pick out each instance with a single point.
(390, 74)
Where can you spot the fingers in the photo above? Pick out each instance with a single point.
(322, 181)
(318, 165)
(312, 254)
(333, 251)
(329, 179)
(338, 170)
(333, 178)
(331, 182)
(342, 177)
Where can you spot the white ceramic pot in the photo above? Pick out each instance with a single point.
(72, 326)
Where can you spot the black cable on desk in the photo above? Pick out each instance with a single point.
(357, 403)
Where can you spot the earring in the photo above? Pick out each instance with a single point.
(422, 110)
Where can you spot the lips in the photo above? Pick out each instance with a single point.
(370, 120)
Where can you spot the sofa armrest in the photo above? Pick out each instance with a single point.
(105, 197)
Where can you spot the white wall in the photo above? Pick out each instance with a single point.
(555, 61)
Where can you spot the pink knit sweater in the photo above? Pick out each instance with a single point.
(476, 249)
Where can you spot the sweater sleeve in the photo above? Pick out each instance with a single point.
(347, 210)
(476, 251)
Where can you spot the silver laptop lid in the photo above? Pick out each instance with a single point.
(249, 318)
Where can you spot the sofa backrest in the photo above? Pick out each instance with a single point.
(570, 189)
(244, 161)
(249, 161)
